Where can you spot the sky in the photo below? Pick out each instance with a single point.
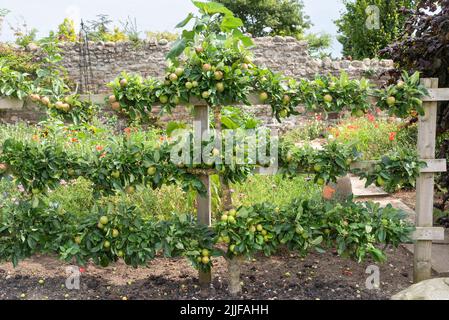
(151, 15)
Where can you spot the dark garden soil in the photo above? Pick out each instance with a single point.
(285, 276)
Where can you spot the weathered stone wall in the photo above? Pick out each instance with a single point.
(104, 61)
(286, 55)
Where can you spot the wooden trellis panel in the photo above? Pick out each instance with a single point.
(425, 232)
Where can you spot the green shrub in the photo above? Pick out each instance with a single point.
(13, 83)
(310, 130)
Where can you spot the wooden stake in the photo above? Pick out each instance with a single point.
(225, 188)
(201, 125)
(425, 186)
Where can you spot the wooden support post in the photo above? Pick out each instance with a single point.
(201, 125)
(425, 187)
(343, 188)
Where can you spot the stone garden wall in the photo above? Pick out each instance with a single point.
(104, 61)
(285, 55)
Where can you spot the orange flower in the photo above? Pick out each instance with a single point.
(127, 131)
(370, 117)
(35, 138)
(328, 192)
(352, 127)
(392, 136)
(99, 148)
(74, 140)
(103, 155)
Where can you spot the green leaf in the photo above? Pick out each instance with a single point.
(230, 22)
(212, 8)
(35, 202)
(184, 22)
(229, 123)
(172, 126)
(317, 241)
(177, 49)
(247, 41)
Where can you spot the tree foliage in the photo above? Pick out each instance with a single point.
(361, 42)
(319, 44)
(425, 47)
(270, 17)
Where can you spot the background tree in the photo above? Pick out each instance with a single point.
(424, 47)
(278, 17)
(270, 17)
(319, 44)
(361, 42)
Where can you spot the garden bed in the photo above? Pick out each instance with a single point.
(284, 276)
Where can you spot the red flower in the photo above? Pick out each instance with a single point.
(82, 270)
(328, 192)
(127, 131)
(74, 140)
(99, 148)
(319, 117)
(392, 136)
(370, 117)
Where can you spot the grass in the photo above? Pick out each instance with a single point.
(274, 189)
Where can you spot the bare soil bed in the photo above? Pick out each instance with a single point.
(285, 276)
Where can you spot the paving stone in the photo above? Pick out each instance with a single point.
(359, 189)
(433, 289)
(440, 257)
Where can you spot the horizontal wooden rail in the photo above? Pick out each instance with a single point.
(428, 233)
(433, 165)
(440, 94)
(101, 98)
(437, 94)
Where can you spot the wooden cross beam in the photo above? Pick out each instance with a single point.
(433, 165)
(428, 233)
(437, 95)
